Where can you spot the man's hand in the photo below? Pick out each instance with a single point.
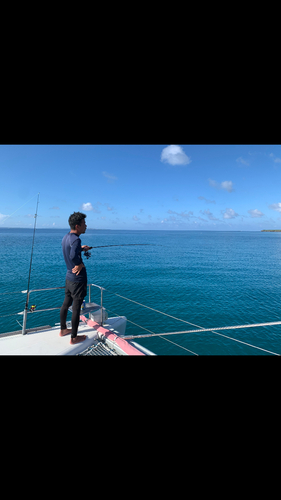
(85, 248)
(77, 269)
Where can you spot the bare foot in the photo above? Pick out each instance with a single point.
(65, 332)
(79, 338)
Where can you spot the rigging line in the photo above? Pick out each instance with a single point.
(168, 340)
(273, 323)
(151, 308)
(213, 331)
(200, 327)
(143, 328)
(18, 209)
(165, 314)
(254, 346)
(130, 321)
(160, 312)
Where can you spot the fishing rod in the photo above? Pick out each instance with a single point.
(88, 255)
(29, 275)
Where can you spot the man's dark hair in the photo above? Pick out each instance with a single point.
(76, 218)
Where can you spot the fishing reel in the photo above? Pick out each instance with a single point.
(87, 253)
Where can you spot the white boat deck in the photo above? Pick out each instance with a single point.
(46, 342)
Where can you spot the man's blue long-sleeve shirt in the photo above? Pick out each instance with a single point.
(71, 247)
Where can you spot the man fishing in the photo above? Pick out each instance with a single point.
(76, 276)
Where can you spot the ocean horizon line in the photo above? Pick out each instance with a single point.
(143, 230)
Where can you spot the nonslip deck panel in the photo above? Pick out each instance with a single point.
(29, 330)
(46, 342)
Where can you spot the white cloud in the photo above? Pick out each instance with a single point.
(87, 207)
(226, 185)
(174, 155)
(229, 213)
(276, 206)
(255, 213)
(109, 208)
(214, 184)
(206, 200)
(208, 214)
(110, 178)
(275, 159)
(182, 214)
(136, 218)
(2, 216)
(241, 160)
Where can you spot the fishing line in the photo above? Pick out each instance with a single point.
(17, 209)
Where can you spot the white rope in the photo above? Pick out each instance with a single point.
(151, 308)
(222, 328)
(168, 340)
(254, 346)
(196, 331)
(213, 330)
(143, 328)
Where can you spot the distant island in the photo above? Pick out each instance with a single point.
(271, 230)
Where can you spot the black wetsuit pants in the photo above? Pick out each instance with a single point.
(75, 291)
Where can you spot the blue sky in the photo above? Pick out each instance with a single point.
(163, 186)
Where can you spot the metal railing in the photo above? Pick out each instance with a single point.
(26, 311)
(151, 334)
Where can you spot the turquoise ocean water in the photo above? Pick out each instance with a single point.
(211, 279)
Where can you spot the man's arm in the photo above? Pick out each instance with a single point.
(75, 252)
(77, 269)
(75, 255)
